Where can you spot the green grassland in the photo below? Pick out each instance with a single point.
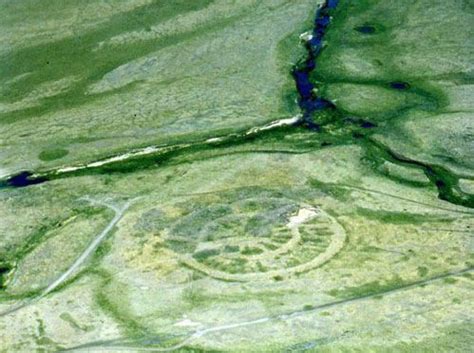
(357, 238)
(158, 73)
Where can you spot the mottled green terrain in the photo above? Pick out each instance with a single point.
(178, 217)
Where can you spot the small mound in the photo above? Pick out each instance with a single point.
(52, 154)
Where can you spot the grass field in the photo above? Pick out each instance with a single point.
(179, 203)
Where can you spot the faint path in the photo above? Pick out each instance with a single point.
(119, 212)
(92, 246)
(465, 210)
(279, 317)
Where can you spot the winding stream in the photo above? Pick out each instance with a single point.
(309, 102)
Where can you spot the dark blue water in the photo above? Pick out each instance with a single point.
(399, 85)
(366, 29)
(308, 101)
(367, 125)
(22, 179)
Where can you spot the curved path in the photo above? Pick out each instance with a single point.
(192, 336)
(119, 212)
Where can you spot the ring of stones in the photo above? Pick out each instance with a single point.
(309, 239)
